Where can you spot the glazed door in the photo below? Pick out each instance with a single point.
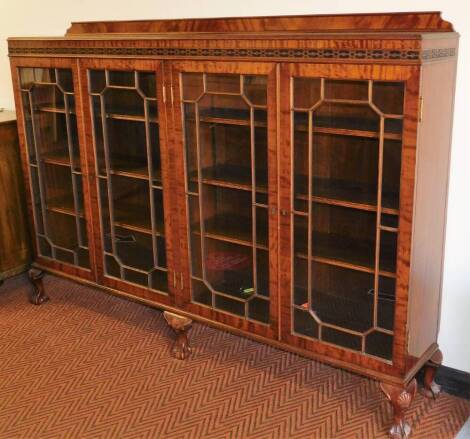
(48, 107)
(226, 149)
(127, 147)
(347, 246)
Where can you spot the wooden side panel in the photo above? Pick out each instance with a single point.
(433, 154)
(15, 250)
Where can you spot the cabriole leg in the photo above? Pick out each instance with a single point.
(400, 398)
(38, 295)
(431, 389)
(181, 325)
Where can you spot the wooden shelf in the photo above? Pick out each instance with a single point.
(231, 228)
(63, 204)
(132, 169)
(125, 220)
(232, 177)
(53, 109)
(345, 126)
(57, 157)
(130, 117)
(348, 194)
(230, 116)
(343, 251)
(128, 113)
(63, 210)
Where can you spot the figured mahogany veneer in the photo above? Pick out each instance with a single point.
(257, 174)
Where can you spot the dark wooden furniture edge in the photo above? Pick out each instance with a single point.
(354, 368)
(7, 118)
(398, 21)
(453, 381)
(15, 271)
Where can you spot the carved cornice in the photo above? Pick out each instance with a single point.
(304, 54)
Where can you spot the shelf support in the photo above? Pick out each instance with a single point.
(401, 398)
(38, 295)
(181, 326)
(431, 389)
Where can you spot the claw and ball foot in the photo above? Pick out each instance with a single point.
(400, 398)
(431, 389)
(38, 295)
(181, 325)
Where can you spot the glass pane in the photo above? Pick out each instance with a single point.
(226, 170)
(391, 174)
(123, 102)
(305, 324)
(379, 345)
(255, 89)
(258, 309)
(346, 117)
(192, 85)
(45, 248)
(201, 294)
(345, 168)
(389, 96)
(159, 280)
(147, 84)
(26, 78)
(47, 97)
(54, 158)
(386, 303)
(341, 338)
(220, 83)
(343, 234)
(65, 80)
(126, 140)
(388, 251)
(126, 156)
(307, 92)
(227, 109)
(350, 90)
(121, 78)
(227, 304)
(342, 297)
(96, 80)
(134, 249)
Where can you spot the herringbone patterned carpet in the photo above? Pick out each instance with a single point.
(89, 365)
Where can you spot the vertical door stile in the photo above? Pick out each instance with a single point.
(85, 133)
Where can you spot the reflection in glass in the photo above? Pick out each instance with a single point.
(225, 132)
(346, 186)
(48, 101)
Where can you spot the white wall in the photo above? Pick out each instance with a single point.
(52, 17)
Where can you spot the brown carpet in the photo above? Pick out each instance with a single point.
(90, 365)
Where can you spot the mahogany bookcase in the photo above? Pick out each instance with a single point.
(283, 178)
